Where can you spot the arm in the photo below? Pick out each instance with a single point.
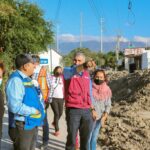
(106, 112)
(108, 106)
(91, 95)
(69, 72)
(51, 88)
(48, 79)
(15, 92)
(94, 113)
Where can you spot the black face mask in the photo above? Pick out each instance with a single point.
(57, 74)
(98, 81)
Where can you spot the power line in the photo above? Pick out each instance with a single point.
(95, 10)
(100, 22)
(131, 15)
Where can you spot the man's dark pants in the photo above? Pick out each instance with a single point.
(25, 139)
(45, 130)
(78, 119)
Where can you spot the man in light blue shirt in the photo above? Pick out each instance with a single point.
(24, 106)
(15, 92)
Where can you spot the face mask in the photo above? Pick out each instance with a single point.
(98, 81)
(0, 81)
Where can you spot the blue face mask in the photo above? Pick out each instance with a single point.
(0, 81)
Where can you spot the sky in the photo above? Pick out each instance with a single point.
(133, 24)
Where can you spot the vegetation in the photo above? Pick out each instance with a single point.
(22, 30)
(101, 59)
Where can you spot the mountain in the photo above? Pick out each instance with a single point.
(66, 47)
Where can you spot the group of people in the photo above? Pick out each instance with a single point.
(30, 90)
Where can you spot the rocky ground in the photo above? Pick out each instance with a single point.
(128, 125)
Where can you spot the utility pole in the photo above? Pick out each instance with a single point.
(118, 47)
(81, 29)
(101, 29)
(51, 62)
(146, 43)
(57, 36)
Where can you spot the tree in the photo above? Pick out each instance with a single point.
(67, 59)
(22, 29)
(101, 59)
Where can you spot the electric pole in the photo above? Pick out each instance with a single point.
(57, 36)
(118, 47)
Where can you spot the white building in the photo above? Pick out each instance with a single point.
(146, 60)
(137, 58)
(51, 58)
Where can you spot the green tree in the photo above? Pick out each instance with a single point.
(101, 59)
(110, 58)
(22, 29)
(68, 59)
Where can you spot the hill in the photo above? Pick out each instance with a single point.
(66, 47)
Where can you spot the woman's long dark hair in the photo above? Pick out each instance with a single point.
(55, 69)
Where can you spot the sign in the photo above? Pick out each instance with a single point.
(134, 51)
(43, 61)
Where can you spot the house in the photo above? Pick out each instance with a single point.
(137, 58)
(51, 58)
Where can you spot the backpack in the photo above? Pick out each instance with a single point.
(43, 83)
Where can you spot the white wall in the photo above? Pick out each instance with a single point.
(126, 64)
(146, 60)
(128, 61)
(52, 58)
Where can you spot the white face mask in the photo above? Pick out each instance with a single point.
(0, 81)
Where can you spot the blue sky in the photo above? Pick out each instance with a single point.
(117, 19)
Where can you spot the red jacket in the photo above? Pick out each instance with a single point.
(77, 91)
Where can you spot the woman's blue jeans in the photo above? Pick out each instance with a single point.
(94, 135)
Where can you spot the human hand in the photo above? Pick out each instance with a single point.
(37, 112)
(50, 100)
(94, 115)
(90, 64)
(36, 115)
(103, 121)
(46, 105)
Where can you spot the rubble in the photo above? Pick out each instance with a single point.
(128, 125)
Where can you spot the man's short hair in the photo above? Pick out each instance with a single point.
(79, 54)
(22, 59)
(36, 58)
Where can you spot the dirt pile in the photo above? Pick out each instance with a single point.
(128, 126)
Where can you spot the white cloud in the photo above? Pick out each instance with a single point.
(142, 39)
(76, 38)
(68, 38)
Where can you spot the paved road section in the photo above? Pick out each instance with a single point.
(55, 143)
